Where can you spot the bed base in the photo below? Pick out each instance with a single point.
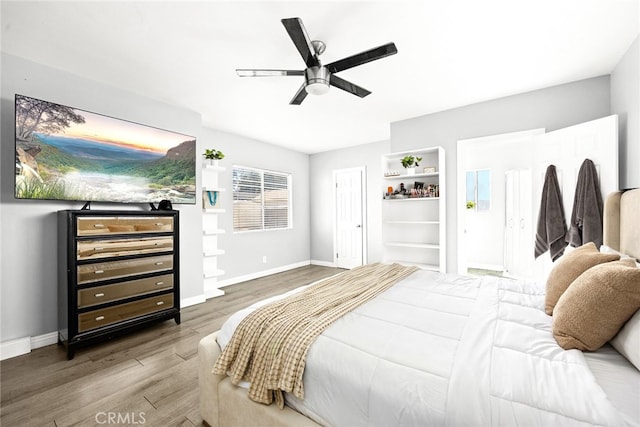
(223, 404)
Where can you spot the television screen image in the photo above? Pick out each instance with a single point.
(63, 153)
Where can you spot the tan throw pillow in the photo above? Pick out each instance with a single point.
(569, 267)
(596, 305)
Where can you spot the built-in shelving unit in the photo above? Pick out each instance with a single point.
(212, 208)
(413, 210)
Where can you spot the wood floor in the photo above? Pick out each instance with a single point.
(146, 378)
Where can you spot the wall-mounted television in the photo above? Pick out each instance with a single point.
(64, 153)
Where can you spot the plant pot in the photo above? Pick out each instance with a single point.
(411, 171)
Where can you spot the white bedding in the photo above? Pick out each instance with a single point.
(448, 350)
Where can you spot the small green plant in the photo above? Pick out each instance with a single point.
(213, 154)
(471, 204)
(410, 161)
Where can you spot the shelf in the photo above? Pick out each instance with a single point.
(213, 232)
(208, 274)
(417, 175)
(413, 245)
(412, 199)
(431, 267)
(213, 252)
(214, 210)
(413, 222)
(214, 168)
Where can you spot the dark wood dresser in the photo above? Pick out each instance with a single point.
(118, 271)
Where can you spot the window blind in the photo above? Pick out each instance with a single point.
(261, 199)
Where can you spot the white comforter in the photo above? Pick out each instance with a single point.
(440, 349)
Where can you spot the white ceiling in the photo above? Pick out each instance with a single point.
(450, 53)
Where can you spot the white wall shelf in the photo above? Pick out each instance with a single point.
(211, 211)
(413, 221)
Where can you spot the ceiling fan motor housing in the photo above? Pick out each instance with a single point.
(317, 80)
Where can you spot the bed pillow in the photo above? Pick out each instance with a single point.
(569, 267)
(627, 342)
(597, 305)
(608, 250)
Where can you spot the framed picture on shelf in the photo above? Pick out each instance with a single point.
(429, 169)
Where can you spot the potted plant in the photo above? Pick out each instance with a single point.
(410, 163)
(213, 155)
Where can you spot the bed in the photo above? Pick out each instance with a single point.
(437, 349)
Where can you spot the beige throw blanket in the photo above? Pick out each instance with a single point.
(269, 346)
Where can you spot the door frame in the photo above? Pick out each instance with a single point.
(461, 183)
(363, 211)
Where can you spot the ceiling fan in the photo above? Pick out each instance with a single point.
(318, 77)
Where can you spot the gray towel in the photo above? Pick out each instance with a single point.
(552, 226)
(586, 217)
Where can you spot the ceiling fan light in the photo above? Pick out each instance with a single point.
(317, 80)
(317, 88)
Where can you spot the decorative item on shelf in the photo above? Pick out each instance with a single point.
(410, 163)
(211, 199)
(471, 204)
(391, 173)
(212, 156)
(429, 169)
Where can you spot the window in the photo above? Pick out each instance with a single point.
(261, 199)
(479, 190)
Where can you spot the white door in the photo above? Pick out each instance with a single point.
(349, 218)
(567, 148)
(519, 237)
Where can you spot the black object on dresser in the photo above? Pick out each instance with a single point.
(118, 271)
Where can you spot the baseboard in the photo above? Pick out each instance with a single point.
(322, 263)
(13, 348)
(492, 267)
(44, 340)
(187, 302)
(20, 346)
(259, 274)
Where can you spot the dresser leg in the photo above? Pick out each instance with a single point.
(177, 319)
(70, 353)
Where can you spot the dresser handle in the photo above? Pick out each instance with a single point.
(99, 271)
(159, 283)
(98, 225)
(159, 263)
(160, 303)
(98, 249)
(158, 223)
(99, 295)
(99, 318)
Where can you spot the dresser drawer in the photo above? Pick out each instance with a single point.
(118, 291)
(93, 249)
(90, 273)
(92, 226)
(108, 316)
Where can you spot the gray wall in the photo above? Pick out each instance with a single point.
(28, 234)
(321, 170)
(244, 251)
(625, 101)
(550, 108)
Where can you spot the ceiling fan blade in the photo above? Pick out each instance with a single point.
(298, 34)
(348, 86)
(268, 73)
(300, 95)
(362, 57)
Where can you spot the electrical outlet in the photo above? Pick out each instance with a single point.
(264, 259)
